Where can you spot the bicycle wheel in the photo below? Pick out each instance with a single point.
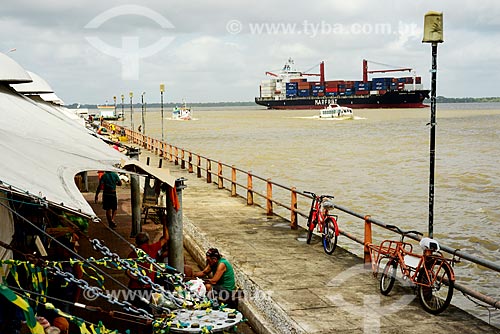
(329, 236)
(388, 277)
(436, 287)
(310, 230)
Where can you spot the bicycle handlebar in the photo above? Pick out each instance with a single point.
(320, 196)
(403, 233)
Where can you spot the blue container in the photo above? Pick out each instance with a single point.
(303, 94)
(291, 91)
(331, 94)
(318, 87)
(291, 85)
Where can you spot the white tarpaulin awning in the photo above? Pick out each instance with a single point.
(162, 174)
(41, 152)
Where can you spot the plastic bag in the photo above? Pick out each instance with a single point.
(197, 287)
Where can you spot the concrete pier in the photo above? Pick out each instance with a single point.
(292, 287)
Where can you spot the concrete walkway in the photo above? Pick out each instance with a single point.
(292, 287)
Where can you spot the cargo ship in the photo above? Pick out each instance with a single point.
(290, 89)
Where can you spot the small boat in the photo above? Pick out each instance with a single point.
(182, 113)
(336, 111)
(108, 112)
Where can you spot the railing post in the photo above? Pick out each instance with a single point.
(183, 163)
(249, 189)
(190, 162)
(269, 199)
(233, 180)
(368, 240)
(220, 179)
(198, 166)
(170, 156)
(209, 171)
(176, 151)
(293, 211)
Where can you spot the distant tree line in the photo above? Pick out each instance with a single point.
(442, 99)
(169, 105)
(439, 99)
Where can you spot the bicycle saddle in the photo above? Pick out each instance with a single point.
(428, 243)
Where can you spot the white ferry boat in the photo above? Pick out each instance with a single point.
(336, 111)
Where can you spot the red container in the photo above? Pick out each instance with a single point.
(362, 92)
(331, 89)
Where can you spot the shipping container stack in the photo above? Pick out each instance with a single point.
(268, 88)
(291, 89)
(300, 87)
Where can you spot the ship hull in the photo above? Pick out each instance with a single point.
(391, 99)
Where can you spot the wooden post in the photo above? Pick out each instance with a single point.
(233, 180)
(190, 162)
(198, 166)
(176, 151)
(209, 171)
(368, 240)
(249, 189)
(220, 179)
(293, 206)
(171, 157)
(269, 198)
(183, 163)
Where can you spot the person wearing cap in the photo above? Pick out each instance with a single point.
(222, 274)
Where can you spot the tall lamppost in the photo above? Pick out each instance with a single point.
(131, 94)
(114, 100)
(123, 110)
(162, 89)
(143, 111)
(433, 33)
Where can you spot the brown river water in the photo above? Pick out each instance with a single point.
(377, 164)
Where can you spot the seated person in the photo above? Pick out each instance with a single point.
(142, 241)
(222, 274)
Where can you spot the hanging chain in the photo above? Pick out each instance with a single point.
(144, 279)
(96, 291)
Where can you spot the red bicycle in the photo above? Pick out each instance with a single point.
(326, 223)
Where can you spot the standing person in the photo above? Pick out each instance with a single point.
(108, 183)
(143, 242)
(222, 273)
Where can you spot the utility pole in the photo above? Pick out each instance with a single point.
(433, 33)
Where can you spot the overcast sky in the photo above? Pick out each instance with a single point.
(219, 50)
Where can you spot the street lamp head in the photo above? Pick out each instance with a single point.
(162, 88)
(123, 96)
(114, 98)
(433, 27)
(131, 94)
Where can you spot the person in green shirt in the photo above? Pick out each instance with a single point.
(107, 184)
(222, 273)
